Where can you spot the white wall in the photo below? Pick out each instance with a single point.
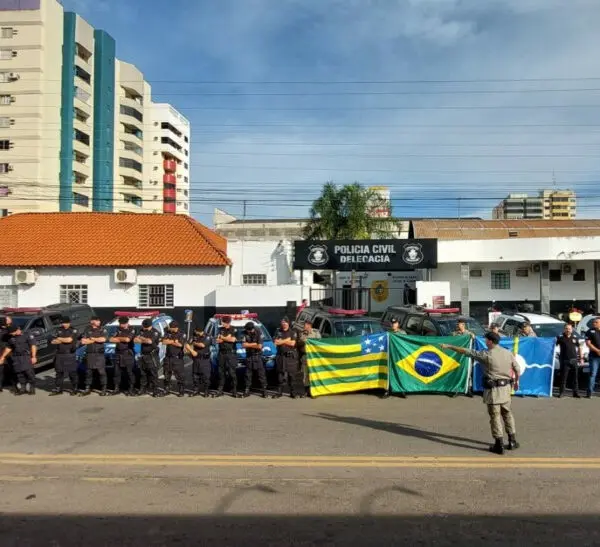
(192, 287)
(252, 297)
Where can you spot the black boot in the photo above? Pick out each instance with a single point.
(116, 392)
(512, 443)
(88, 391)
(195, 392)
(206, 394)
(560, 394)
(246, 393)
(181, 392)
(279, 393)
(218, 394)
(497, 447)
(103, 393)
(576, 395)
(55, 392)
(31, 390)
(588, 394)
(74, 392)
(264, 394)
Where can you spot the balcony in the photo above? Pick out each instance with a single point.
(135, 111)
(169, 207)
(170, 166)
(169, 178)
(131, 133)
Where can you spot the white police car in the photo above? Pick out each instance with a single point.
(238, 322)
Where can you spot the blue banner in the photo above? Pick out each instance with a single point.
(535, 357)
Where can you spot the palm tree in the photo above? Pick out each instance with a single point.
(346, 212)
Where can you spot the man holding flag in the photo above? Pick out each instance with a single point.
(497, 363)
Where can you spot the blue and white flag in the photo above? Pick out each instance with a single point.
(535, 357)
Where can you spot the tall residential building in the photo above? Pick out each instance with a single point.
(547, 205)
(76, 123)
(384, 208)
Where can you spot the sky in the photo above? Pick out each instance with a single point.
(452, 104)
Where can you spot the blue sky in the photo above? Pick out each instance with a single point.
(437, 99)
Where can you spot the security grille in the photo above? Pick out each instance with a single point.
(73, 294)
(156, 296)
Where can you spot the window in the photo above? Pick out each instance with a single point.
(130, 164)
(38, 324)
(82, 95)
(4, 122)
(6, 99)
(4, 168)
(79, 178)
(171, 142)
(156, 296)
(511, 327)
(579, 275)
(73, 294)
(79, 157)
(167, 125)
(475, 273)
(428, 328)
(522, 272)
(254, 279)
(7, 32)
(4, 77)
(6, 54)
(133, 148)
(185, 152)
(134, 200)
(82, 53)
(185, 179)
(4, 144)
(85, 76)
(186, 165)
(130, 111)
(326, 330)
(555, 275)
(4, 192)
(4, 213)
(186, 139)
(80, 199)
(500, 280)
(80, 115)
(82, 137)
(413, 325)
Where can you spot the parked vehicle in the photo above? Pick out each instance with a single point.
(43, 323)
(585, 324)
(338, 323)
(420, 321)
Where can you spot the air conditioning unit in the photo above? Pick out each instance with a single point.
(11, 168)
(155, 153)
(535, 268)
(13, 76)
(125, 277)
(25, 277)
(566, 268)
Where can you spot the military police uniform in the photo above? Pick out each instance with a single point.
(95, 359)
(227, 361)
(149, 359)
(3, 343)
(20, 346)
(498, 364)
(304, 336)
(125, 358)
(173, 363)
(65, 360)
(288, 365)
(254, 360)
(569, 359)
(593, 338)
(201, 363)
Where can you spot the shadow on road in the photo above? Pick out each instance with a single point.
(347, 530)
(405, 431)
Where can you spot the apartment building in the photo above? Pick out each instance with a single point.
(77, 125)
(547, 205)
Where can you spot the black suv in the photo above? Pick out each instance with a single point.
(417, 320)
(44, 322)
(336, 323)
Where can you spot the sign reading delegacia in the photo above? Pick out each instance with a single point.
(366, 255)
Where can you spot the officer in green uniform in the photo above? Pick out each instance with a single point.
(498, 364)
(461, 329)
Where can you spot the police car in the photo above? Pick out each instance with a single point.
(238, 322)
(160, 322)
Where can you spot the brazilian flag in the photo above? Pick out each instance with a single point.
(418, 364)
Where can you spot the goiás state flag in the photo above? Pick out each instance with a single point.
(344, 365)
(418, 364)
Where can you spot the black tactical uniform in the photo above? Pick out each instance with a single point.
(124, 357)
(288, 364)
(227, 361)
(254, 359)
(65, 360)
(201, 366)
(173, 363)
(20, 345)
(569, 359)
(3, 343)
(95, 360)
(149, 358)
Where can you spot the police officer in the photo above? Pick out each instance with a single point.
(396, 326)
(498, 364)
(461, 329)
(307, 332)
(199, 349)
(175, 340)
(527, 331)
(94, 337)
(5, 323)
(226, 340)
(23, 351)
(570, 357)
(65, 359)
(149, 339)
(252, 342)
(592, 339)
(125, 355)
(288, 363)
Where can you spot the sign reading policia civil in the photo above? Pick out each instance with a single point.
(374, 255)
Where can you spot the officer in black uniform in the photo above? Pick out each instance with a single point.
(175, 340)
(252, 342)
(149, 338)
(226, 340)
(23, 351)
(94, 337)
(570, 358)
(65, 359)
(288, 361)
(5, 323)
(125, 355)
(199, 349)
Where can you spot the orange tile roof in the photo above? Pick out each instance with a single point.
(108, 239)
(503, 229)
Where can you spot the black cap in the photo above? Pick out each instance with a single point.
(95, 318)
(65, 319)
(13, 328)
(285, 319)
(249, 325)
(492, 337)
(174, 325)
(147, 323)
(123, 320)
(226, 319)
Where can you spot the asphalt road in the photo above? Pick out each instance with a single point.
(345, 470)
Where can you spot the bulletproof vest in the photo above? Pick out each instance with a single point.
(227, 347)
(174, 351)
(252, 337)
(66, 348)
(94, 333)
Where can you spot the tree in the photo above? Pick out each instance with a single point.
(345, 212)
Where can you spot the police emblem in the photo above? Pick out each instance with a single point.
(317, 255)
(413, 254)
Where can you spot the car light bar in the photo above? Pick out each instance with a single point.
(236, 316)
(443, 310)
(137, 313)
(339, 311)
(22, 310)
